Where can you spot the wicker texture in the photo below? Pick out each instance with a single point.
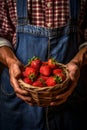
(44, 95)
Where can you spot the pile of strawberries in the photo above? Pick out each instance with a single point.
(42, 74)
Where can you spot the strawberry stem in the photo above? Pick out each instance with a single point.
(58, 79)
(33, 58)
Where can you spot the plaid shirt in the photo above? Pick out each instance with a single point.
(44, 13)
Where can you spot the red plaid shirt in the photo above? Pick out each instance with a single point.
(44, 13)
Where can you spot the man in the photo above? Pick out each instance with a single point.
(46, 29)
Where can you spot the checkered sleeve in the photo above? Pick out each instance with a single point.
(7, 22)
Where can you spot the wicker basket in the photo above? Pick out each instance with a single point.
(44, 95)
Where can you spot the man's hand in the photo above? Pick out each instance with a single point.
(74, 73)
(74, 66)
(8, 58)
(15, 73)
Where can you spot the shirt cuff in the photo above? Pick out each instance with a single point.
(5, 42)
(83, 45)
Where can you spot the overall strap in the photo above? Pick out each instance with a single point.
(74, 10)
(22, 11)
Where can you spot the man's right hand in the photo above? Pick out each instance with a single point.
(8, 58)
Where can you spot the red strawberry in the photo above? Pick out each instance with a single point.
(61, 76)
(27, 80)
(51, 81)
(52, 63)
(31, 73)
(43, 78)
(57, 71)
(38, 83)
(35, 62)
(45, 70)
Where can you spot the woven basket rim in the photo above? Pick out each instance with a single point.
(25, 85)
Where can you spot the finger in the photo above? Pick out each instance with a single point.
(64, 97)
(15, 71)
(68, 92)
(57, 102)
(16, 87)
(24, 98)
(30, 104)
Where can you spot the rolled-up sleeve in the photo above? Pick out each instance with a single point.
(83, 45)
(5, 42)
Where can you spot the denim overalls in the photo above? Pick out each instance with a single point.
(62, 44)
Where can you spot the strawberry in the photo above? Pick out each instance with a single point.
(27, 80)
(61, 76)
(51, 81)
(31, 73)
(38, 83)
(35, 62)
(43, 78)
(52, 63)
(57, 71)
(45, 70)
